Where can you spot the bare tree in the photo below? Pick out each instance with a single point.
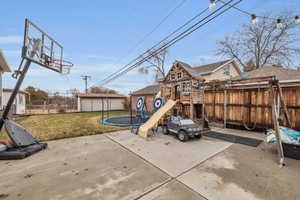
(156, 62)
(264, 43)
(101, 90)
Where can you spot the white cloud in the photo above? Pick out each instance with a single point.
(11, 39)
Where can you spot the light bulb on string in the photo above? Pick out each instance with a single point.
(212, 4)
(279, 24)
(297, 20)
(253, 19)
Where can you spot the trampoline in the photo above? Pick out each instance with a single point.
(124, 121)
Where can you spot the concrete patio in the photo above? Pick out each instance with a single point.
(121, 165)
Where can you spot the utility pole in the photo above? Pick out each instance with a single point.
(85, 78)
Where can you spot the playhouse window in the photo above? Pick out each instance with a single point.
(186, 86)
(179, 75)
(226, 71)
(173, 77)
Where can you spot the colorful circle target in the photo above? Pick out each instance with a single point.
(158, 102)
(140, 104)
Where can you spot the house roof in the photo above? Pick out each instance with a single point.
(149, 90)
(100, 95)
(4, 67)
(198, 71)
(10, 90)
(280, 73)
(209, 68)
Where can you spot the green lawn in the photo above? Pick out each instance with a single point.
(57, 126)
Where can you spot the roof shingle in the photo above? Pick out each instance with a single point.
(280, 73)
(149, 90)
(100, 95)
(203, 69)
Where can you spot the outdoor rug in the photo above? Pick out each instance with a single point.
(234, 138)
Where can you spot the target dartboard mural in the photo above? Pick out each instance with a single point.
(140, 104)
(157, 103)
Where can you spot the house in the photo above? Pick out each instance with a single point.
(149, 93)
(90, 102)
(19, 105)
(281, 73)
(215, 71)
(183, 82)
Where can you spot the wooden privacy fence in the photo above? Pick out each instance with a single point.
(250, 106)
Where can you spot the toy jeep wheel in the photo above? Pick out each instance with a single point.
(198, 136)
(182, 136)
(165, 130)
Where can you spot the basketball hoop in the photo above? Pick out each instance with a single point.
(63, 65)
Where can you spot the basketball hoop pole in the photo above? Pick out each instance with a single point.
(14, 93)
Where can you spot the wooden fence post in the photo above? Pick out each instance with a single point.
(225, 108)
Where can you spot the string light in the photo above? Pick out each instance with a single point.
(212, 4)
(253, 19)
(297, 20)
(279, 24)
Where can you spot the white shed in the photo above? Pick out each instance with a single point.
(91, 102)
(19, 105)
(4, 67)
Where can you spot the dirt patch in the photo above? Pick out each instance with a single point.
(256, 170)
(3, 196)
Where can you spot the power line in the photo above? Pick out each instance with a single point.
(152, 31)
(173, 41)
(160, 42)
(179, 37)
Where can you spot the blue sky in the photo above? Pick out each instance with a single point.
(97, 36)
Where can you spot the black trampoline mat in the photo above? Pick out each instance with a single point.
(233, 138)
(22, 152)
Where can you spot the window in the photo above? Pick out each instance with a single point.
(20, 99)
(226, 70)
(179, 75)
(186, 87)
(173, 77)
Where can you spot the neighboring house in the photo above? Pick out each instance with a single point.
(281, 73)
(182, 84)
(149, 93)
(19, 105)
(4, 67)
(91, 102)
(223, 70)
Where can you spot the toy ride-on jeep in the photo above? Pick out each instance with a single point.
(184, 129)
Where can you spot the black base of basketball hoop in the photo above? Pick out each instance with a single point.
(24, 144)
(17, 153)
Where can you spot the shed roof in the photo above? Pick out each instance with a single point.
(100, 95)
(281, 73)
(149, 90)
(10, 90)
(4, 67)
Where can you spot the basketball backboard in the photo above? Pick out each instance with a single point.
(42, 49)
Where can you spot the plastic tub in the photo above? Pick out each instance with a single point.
(291, 151)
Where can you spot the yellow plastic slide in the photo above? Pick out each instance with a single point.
(143, 130)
